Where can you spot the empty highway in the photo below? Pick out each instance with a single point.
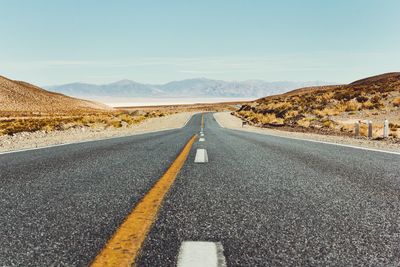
(260, 200)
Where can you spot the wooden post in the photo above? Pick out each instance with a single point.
(356, 129)
(386, 129)
(369, 129)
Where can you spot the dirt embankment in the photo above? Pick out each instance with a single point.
(230, 121)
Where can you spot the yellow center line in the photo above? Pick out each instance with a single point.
(124, 246)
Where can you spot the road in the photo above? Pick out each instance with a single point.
(266, 200)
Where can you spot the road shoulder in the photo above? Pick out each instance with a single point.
(23, 141)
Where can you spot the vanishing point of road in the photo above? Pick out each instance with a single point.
(257, 200)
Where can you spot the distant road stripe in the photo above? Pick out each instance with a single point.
(201, 254)
(202, 121)
(124, 246)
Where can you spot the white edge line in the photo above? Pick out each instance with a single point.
(94, 140)
(314, 141)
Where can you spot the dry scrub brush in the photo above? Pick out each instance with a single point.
(314, 107)
(113, 119)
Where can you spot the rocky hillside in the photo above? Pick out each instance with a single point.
(327, 108)
(17, 97)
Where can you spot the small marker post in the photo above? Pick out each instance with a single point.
(356, 129)
(386, 129)
(369, 129)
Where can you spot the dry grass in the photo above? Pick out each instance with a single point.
(32, 124)
(258, 118)
(16, 122)
(314, 107)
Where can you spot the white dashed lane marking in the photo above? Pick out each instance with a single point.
(202, 139)
(201, 156)
(201, 254)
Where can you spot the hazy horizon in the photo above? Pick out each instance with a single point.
(193, 78)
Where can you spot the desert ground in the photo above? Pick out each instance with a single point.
(332, 110)
(227, 120)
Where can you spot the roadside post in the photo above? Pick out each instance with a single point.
(356, 129)
(369, 129)
(386, 129)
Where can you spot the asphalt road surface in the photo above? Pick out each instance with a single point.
(267, 201)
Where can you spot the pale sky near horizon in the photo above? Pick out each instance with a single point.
(49, 42)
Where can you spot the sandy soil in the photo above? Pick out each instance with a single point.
(27, 140)
(227, 120)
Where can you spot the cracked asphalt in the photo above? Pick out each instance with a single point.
(269, 201)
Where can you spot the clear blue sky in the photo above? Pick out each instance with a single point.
(155, 41)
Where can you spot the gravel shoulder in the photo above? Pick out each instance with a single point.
(27, 140)
(227, 120)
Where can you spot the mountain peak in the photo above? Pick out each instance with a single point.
(124, 82)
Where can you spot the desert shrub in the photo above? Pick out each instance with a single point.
(291, 114)
(362, 99)
(372, 105)
(396, 102)
(329, 111)
(261, 118)
(367, 105)
(116, 124)
(281, 114)
(327, 123)
(344, 95)
(393, 125)
(304, 122)
(352, 106)
(375, 99)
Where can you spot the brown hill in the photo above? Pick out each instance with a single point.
(324, 107)
(18, 96)
(387, 79)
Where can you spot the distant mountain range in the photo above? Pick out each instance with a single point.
(199, 87)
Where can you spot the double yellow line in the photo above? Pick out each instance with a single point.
(124, 246)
